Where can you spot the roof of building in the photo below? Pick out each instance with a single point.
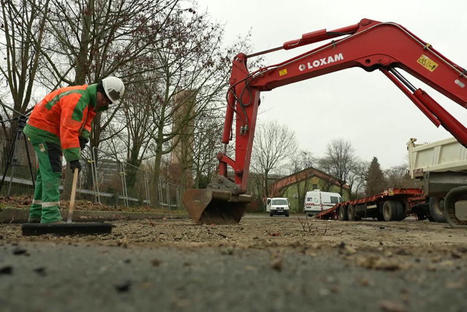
(303, 175)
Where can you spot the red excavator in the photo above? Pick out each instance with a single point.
(369, 45)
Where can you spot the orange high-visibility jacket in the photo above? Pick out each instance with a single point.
(62, 116)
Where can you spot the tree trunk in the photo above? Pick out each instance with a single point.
(132, 170)
(266, 188)
(82, 69)
(155, 178)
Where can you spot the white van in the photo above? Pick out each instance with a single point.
(277, 205)
(317, 201)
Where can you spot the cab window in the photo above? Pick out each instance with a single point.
(334, 199)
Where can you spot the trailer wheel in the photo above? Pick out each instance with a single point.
(342, 213)
(437, 209)
(455, 198)
(392, 210)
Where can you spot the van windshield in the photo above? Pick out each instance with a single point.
(279, 201)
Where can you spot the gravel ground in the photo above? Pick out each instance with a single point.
(262, 264)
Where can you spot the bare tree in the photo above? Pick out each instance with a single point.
(273, 145)
(357, 177)
(398, 176)
(301, 160)
(190, 61)
(206, 143)
(95, 38)
(91, 39)
(22, 27)
(135, 139)
(338, 161)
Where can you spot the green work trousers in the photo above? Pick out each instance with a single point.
(46, 202)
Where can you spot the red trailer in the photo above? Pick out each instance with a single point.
(393, 204)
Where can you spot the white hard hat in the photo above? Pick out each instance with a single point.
(114, 88)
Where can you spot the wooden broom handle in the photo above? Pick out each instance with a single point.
(73, 195)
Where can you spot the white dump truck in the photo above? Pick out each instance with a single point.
(442, 167)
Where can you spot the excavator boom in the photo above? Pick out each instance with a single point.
(370, 45)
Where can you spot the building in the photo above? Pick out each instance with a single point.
(181, 159)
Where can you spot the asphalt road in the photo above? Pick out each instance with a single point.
(44, 276)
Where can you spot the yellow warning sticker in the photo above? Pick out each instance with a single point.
(426, 62)
(283, 72)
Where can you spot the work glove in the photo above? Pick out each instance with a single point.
(82, 142)
(75, 164)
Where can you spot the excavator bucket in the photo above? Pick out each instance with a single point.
(212, 206)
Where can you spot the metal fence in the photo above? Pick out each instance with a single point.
(104, 177)
(109, 177)
(17, 161)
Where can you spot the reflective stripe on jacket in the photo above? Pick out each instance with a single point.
(62, 116)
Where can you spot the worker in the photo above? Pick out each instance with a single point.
(62, 122)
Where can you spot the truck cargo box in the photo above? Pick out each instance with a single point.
(440, 156)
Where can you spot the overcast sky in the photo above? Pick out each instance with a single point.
(363, 108)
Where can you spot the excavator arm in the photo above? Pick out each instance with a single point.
(370, 45)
